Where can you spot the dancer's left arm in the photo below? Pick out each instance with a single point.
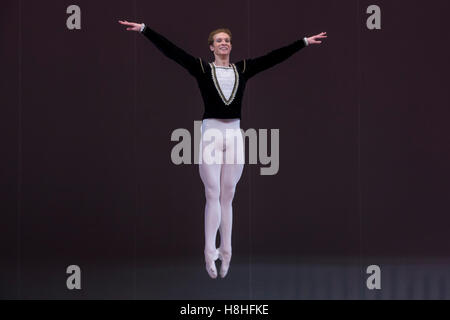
(251, 67)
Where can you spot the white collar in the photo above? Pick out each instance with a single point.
(222, 66)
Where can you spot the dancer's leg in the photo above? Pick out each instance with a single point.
(210, 175)
(230, 175)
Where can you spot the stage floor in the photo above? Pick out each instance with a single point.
(254, 278)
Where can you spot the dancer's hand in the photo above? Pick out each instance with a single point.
(313, 39)
(133, 26)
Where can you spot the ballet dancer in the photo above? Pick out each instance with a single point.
(222, 87)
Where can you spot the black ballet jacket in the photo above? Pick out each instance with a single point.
(216, 105)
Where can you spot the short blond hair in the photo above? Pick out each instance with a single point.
(213, 33)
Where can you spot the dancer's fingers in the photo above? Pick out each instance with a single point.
(126, 23)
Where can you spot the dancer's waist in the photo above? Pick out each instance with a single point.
(220, 123)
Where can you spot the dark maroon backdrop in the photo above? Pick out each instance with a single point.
(87, 115)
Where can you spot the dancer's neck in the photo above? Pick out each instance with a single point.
(222, 61)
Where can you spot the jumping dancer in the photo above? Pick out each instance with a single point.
(222, 87)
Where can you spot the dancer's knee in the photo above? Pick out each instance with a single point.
(227, 194)
(212, 193)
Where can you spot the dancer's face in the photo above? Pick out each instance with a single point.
(222, 44)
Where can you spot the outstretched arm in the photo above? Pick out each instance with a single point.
(256, 65)
(169, 49)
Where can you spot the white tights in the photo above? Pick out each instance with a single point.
(220, 169)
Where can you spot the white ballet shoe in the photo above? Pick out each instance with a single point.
(210, 260)
(225, 258)
(212, 270)
(224, 269)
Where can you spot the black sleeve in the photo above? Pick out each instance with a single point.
(170, 50)
(254, 66)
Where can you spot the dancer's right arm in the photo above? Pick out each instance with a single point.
(170, 50)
